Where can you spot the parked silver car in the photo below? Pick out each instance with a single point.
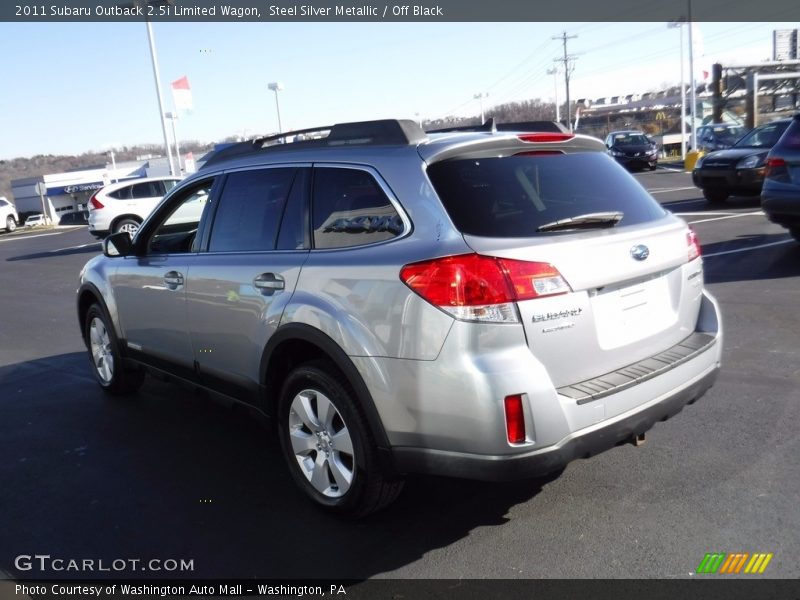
(473, 304)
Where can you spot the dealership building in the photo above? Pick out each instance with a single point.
(70, 191)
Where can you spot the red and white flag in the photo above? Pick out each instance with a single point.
(182, 94)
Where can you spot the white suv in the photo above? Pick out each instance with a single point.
(124, 205)
(8, 215)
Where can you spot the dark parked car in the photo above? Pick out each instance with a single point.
(719, 136)
(739, 169)
(632, 149)
(780, 196)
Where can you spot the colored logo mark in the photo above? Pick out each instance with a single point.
(723, 563)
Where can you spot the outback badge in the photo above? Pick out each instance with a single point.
(640, 252)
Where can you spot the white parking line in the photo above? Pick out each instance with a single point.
(788, 241)
(736, 216)
(676, 189)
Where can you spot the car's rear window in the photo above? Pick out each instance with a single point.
(513, 196)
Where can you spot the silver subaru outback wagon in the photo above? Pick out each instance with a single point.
(479, 304)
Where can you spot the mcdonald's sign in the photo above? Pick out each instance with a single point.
(661, 116)
(736, 563)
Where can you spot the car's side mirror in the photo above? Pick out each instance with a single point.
(117, 244)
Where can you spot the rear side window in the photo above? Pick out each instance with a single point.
(148, 189)
(513, 196)
(791, 137)
(349, 208)
(250, 210)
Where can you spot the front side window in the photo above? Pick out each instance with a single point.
(349, 208)
(177, 229)
(250, 210)
(515, 196)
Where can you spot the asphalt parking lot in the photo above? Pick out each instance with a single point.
(169, 474)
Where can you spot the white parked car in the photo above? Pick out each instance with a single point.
(122, 206)
(37, 220)
(8, 215)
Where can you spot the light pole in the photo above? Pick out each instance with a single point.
(679, 25)
(554, 73)
(158, 93)
(174, 117)
(480, 98)
(692, 91)
(277, 86)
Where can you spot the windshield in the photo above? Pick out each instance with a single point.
(765, 136)
(527, 195)
(631, 139)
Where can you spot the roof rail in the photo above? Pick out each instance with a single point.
(523, 126)
(385, 132)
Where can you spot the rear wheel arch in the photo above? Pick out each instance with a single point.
(295, 344)
(127, 217)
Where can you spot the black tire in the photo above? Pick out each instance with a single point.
(104, 355)
(11, 224)
(129, 225)
(370, 488)
(716, 196)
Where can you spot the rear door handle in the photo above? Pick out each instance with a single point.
(269, 283)
(173, 279)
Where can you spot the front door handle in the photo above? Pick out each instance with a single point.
(173, 279)
(269, 283)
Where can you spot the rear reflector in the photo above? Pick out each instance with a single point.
(515, 419)
(694, 244)
(474, 287)
(545, 137)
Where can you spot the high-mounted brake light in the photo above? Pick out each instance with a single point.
(473, 287)
(545, 137)
(694, 244)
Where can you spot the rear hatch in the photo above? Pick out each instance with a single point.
(633, 288)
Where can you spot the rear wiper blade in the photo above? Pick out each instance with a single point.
(587, 221)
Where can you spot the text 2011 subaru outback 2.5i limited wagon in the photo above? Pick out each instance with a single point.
(476, 304)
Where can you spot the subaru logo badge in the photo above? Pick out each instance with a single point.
(640, 252)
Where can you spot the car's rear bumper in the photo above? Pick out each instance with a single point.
(582, 444)
(742, 181)
(781, 207)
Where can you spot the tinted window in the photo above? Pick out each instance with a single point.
(121, 194)
(513, 196)
(250, 210)
(148, 189)
(169, 184)
(763, 137)
(350, 209)
(630, 139)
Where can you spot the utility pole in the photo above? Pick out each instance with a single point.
(692, 90)
(554, 73)
(568, 67)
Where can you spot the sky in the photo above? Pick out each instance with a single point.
(70, 88)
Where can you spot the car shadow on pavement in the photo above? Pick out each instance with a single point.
(768, 256)
(91, 248)
(170, 474)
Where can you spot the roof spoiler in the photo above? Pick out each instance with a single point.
(490, 126)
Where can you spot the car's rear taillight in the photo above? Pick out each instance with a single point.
(473, 287)
(776, 169)
(94, 203)
(693, 243)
